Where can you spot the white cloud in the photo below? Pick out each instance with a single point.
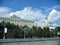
(29, 13)
(47, 9)
(55, 25)
(54, 15)
(4, 11)
(32, 14)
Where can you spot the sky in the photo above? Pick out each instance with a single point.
(35, 10)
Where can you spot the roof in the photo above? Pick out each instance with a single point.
(14, 16)
(16, 19)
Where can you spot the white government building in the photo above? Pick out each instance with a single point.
(17, 21)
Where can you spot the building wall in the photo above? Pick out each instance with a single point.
(18, 21)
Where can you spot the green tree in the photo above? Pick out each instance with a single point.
(39, 32)
(17, 33)
(34, 31)
(30, 33)
(46, 32)
(25, 30)
(57, 29)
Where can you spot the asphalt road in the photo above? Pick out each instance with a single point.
(35, 42)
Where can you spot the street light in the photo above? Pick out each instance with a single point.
(5, 29)
(24, 32)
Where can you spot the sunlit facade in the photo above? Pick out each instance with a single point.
(17, 21)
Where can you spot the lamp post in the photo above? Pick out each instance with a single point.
(24, 32)
(5, 29)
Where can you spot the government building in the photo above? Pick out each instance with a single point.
(17, 21)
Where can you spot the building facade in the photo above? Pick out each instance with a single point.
(17, 21)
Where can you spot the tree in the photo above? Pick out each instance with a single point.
(1, 30)
(57, 29)
(34, 31)
(30, 33)
(12, 28)
(34, 28)
(17, 33)
(25, 30)
(46, 32)
(39, 32)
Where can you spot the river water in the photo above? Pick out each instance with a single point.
(55, 42)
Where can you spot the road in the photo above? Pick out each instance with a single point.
(39, 42)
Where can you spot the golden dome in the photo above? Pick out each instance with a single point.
(13, 15)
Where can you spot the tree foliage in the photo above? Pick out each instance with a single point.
(29, 32)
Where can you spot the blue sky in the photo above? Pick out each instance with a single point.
(20, 4)
(33, 6)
